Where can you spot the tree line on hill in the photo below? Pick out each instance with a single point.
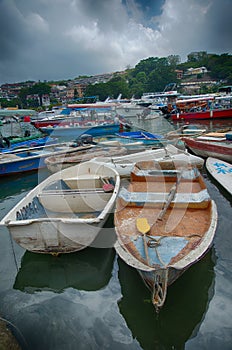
(153, 74)
(149, 75)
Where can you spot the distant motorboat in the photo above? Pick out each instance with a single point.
(129, 109)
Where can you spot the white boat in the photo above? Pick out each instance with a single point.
(124, 164)
(221, 171)
(129, 109)
(65, 212)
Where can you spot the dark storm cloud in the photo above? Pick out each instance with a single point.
(11, 28)
(219, 26)
(61, 39)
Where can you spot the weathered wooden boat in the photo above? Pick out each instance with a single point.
(165, 221)
(124, 164)
(29, 159)
(58, 162)
(66, 211)
(210, 145)
(221, 171)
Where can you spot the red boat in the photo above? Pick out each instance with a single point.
(208, 114)
(201, 107)
(211, 147)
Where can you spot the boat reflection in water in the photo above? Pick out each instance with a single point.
(88, 270)
(182, 314)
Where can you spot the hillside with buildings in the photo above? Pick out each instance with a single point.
(200, 74)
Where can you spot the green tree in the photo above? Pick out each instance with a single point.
(37, 89)
(141, 77)
(173, 60)
(117, 85)
(12, 103)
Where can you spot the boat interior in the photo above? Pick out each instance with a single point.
(82, 197)
(171, 204)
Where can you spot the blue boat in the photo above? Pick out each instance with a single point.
(72, 132)
(144, 136)
(7, 145)
(32, 158)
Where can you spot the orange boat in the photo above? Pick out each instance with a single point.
(165, 221)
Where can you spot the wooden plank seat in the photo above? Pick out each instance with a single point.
(86, 181)
(200, 199)
(74, 201)
(70, 191)
(158, 175)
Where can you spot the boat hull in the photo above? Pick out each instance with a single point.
(28, 142)
(32, 159)
(71, 133)
(211, 114)
(209, 149)
(55, 237)
(221, 171)
(22, 165)
(58, 163)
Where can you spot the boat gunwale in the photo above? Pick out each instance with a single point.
(52, 178)
(183, 263)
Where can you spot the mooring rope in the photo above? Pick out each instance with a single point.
(12, 246)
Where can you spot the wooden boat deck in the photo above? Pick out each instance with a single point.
(183, 222)
(165, 221)
(161, 186)
(191, 226)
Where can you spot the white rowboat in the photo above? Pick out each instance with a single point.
(65, 212)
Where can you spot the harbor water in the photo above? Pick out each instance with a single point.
(92, 300)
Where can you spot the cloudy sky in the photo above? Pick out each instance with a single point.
(62, 39)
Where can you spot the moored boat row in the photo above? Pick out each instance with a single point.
(165, 219)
